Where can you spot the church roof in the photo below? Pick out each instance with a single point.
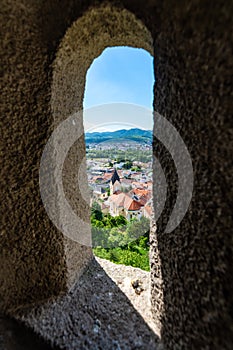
(115, 177)
(123, 200)
(134, 205)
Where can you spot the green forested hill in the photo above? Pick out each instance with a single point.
(138, 135)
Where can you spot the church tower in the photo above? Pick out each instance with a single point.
(115, 182)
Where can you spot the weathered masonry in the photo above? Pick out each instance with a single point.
(46, 49)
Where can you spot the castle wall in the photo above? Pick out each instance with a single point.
(44, 61)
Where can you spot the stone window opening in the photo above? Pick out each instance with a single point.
(111, 27)
(129, 72)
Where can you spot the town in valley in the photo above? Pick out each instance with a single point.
(119, 170)
(120, 176)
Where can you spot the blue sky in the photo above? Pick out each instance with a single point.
(119, 75)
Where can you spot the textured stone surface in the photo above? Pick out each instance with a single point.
(15, 335)
(35, 259)
(192, 64)
(95, 314)
(123, 276)
(193, 61)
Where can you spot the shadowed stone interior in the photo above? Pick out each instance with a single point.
(46, 50)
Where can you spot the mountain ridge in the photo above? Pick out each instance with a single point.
(134, 134)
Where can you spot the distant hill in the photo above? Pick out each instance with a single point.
(138, 135)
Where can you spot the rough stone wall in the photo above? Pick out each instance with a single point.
(192, 65)
(193, 70)
(32, 259)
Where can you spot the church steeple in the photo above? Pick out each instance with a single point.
(114, 182)
(115, 177)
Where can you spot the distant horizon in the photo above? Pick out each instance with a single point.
(96, 130)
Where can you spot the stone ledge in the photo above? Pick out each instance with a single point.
(95, 314)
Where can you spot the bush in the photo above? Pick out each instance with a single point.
(125, 257)
(120, 241)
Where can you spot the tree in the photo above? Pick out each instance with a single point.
(115, 238)
(127, 165)
(113, 256)
(121, 220)
(138, 228)
(99, 237)
(96, 213)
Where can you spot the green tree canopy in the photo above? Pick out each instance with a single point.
(96, 213)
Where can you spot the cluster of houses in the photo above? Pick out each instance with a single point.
(121, 192)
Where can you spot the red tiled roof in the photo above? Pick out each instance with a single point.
(134, 205)
(123, 200)
(141, 192)
(143, 200)
(118, 199)
(107, 176)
